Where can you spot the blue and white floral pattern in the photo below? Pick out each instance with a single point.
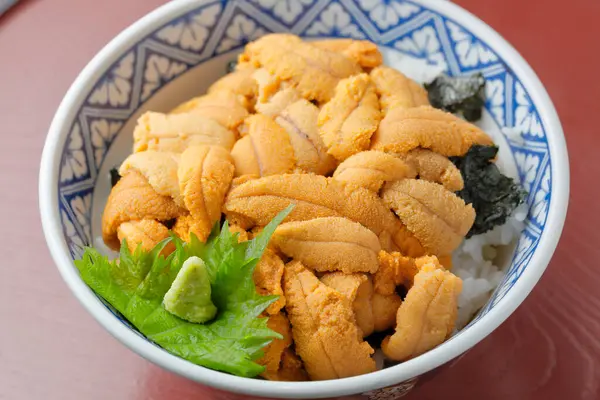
(527, 120)
(74, 165)
(80, 206)
(102, 132)
(335, 21)
(242, 29)
(74, 241)
(388, 13)
(114, 89)
(494, 94)
(218, 27)
(470, 51)
(159, 69)
(423, 43)
(529, 165)
(287, 11)
(541, 199)
(191, 31)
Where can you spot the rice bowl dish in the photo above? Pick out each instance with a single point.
(346, 196)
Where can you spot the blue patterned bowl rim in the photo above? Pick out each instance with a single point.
(485, 323)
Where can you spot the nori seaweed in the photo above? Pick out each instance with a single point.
(376, 338)
(114, 176)
(230, 67)
(401, 291)
(463, 94)
(169, 223)
(493, 195)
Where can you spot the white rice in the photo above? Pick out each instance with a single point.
(379, 358)
(473, 262)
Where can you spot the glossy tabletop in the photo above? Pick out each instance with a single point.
(50, 348)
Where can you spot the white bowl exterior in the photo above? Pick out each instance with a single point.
(485, 323)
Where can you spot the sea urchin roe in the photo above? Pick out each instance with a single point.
(365, 53)
(146, 233)
(267, 279)
(405, 129)
(371, 169)
(434, 167)
(205, 173)
(385, 309)
(256, 202)
(274, 95)
(358, 289)
(427, 316)
(395, 90)
(324, 328)
(299, 120)
(329, 244)
(224, 107)
(394, 269)
(313, 71)
(183, 227)
(265, 150)
(176, 132)
(405, 241)
(437, 217)
(278, 102)
(159, 168)
(239, 82)
(290, 368)
(134, 199)
(273, 352)
(347, 122)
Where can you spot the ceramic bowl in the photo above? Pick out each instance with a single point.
(175, 52)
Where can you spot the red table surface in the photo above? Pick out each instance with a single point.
(50, 348)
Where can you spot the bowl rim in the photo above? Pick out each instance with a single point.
(53, 231)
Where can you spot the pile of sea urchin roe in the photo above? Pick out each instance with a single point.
(358, 149)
